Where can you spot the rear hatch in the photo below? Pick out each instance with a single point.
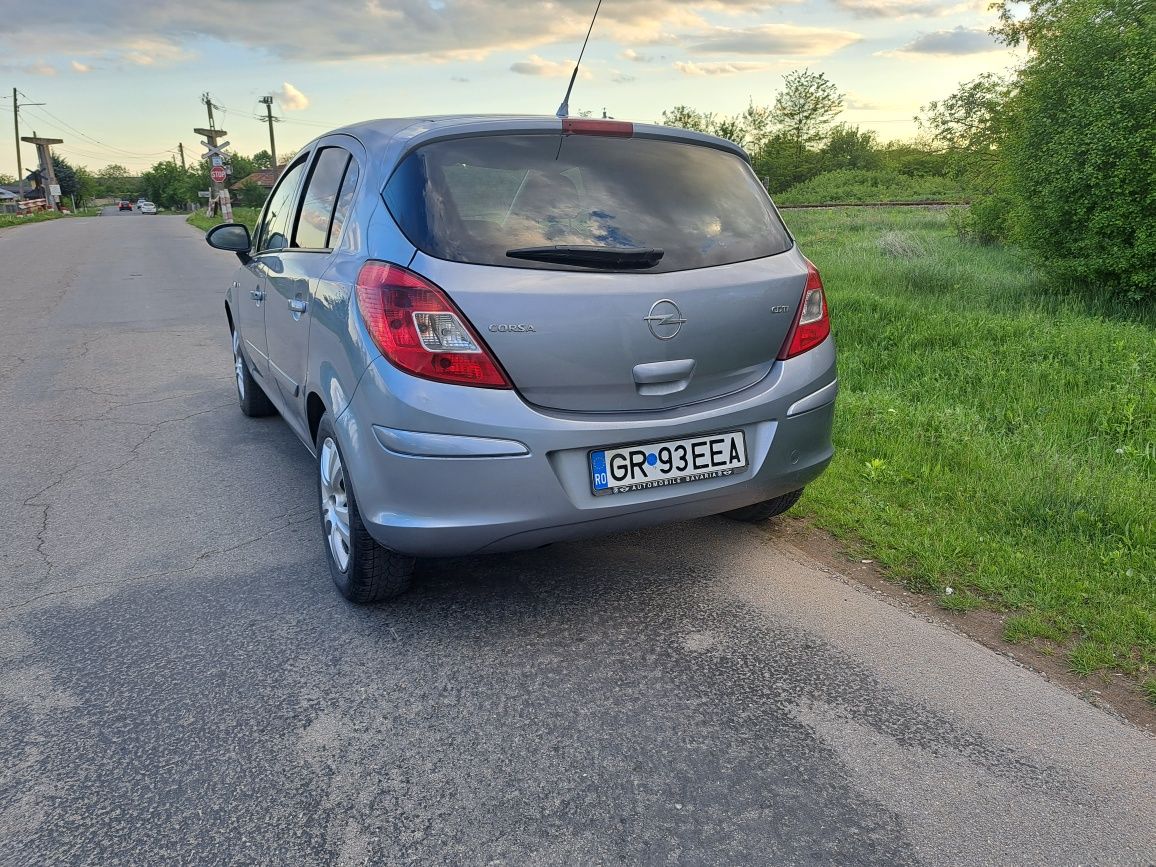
(586, 315)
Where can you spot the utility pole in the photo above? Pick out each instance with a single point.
(267, 101)
(16, 121)
(181, 150)
(213, 152)
(44, 152)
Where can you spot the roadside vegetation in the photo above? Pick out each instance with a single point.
(202, 221)
(44, 216)
(996, 434)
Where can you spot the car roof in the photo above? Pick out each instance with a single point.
(376, 134)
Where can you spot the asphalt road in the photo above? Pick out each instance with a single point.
(180, 684)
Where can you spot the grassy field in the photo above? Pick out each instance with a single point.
(997, 439)
(248, 216)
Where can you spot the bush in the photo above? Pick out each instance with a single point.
(985, 221)
(857, 185)
(1081, 154)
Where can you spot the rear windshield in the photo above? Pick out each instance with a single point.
(473, 199)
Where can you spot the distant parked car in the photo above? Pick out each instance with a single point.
(148, 208)
(124, 206)
(498, 332)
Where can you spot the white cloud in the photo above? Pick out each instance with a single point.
(632, 55)
(39, 68)
(77, 66)
(948, 43)
(290, 98)
(547, 68)
(163, 31)
(720, 68)
(771, 39)
(909, 8)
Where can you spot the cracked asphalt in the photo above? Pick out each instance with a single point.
(179, 683)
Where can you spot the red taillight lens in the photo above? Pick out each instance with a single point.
(419, 330)
(813, 324)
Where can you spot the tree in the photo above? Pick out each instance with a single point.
(806, 107)
(85, 184)
(972, 123)
(114, 181)
(7, 179)
(262, 160)
(168, 185)
(849, 148)
(685, 117)
(65, 177)
(1080, 152)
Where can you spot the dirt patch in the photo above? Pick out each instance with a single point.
(1116, 693)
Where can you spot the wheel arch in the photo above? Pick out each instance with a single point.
(314, 409)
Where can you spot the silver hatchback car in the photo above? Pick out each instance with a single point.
(494, 333)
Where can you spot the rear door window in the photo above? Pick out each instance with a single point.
(320, 198)
(473, 199)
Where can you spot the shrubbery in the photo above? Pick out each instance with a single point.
(859, 185)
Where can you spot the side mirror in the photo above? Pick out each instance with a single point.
(233, 237)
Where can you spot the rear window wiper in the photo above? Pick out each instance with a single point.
(591, 256)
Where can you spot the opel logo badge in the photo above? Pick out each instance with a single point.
(665, 320)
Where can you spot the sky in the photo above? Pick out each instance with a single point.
(122, 80)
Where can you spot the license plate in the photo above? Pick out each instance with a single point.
(656, 465)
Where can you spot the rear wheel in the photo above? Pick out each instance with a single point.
(363, 570)
(758, 512)
(252, 398)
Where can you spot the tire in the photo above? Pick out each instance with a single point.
(759, 512)
(363, 570)
(251, 397)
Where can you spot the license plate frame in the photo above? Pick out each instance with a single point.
(599, 460)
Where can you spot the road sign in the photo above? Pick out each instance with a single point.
(214, 150)
(54, 189)
(216, 160)
(218, 174)
(204, 194)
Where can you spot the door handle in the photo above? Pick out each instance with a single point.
(256, 294)
(297, 305)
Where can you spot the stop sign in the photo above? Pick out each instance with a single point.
(217, 173)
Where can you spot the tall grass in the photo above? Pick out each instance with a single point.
(996, 435)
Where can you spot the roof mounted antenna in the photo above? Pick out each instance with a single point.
(564, 108)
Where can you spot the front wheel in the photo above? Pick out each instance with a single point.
(363, 570)
(759, 512)
(251, 397)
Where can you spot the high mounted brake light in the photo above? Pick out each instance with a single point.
(419, 330)
(588, 126)
(812, 322)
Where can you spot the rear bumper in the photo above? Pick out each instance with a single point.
(442, 470)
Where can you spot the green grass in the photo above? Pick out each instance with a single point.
(43, 217)
(858, 185)
(995, 435)
(248, 216)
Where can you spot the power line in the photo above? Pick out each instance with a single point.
(51, 119)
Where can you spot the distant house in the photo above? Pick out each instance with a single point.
(8, 200)
(252, 189)
(265, 177)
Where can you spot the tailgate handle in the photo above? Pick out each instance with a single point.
(663, 377)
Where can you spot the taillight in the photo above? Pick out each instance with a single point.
(813, 323)
(419, 330)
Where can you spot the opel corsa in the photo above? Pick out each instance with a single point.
(498, 332)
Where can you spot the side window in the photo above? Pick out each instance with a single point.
(274, 234)
(344, 202)
(320, 196)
